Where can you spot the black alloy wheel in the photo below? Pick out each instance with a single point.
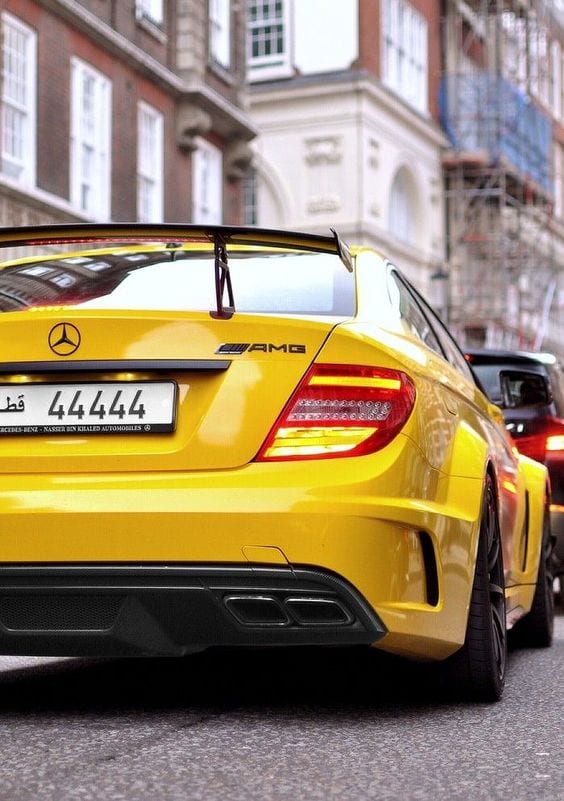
(477, 670)
(536, 629)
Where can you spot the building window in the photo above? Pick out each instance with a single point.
(555, 99)
(90, 140)
(151, 10)
(540, 50)
(405, 52)
(514, 48)
(149, 164)
(220, 32)
(268, 37)
(18, 113)
(207, 184)
(558, 181)
(402, 216)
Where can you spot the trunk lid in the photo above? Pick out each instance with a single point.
(228, 380)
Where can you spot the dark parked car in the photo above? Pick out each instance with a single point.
(529, 387)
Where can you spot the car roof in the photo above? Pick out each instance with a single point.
(520, 358)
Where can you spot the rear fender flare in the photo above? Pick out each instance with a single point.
(465, 466)
(464, 472)
(538, 490)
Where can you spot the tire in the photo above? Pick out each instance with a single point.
(536, 629)
(477, 670)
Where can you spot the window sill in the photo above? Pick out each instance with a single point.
(406, 100)
(151, 27)
(269, 73)
(222, 72)
(41, 201)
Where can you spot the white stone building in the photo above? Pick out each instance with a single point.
(344, 95)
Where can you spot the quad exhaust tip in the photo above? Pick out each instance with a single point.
(268, 610)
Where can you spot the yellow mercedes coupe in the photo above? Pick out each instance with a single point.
(213, 435)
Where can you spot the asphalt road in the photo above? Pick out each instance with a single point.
(295, 725)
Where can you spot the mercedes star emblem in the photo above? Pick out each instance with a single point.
(64, 339)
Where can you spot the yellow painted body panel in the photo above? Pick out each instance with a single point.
(197, 497)
(348, 516)
(222, 417)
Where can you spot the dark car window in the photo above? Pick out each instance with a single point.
(556, 378)
(412, 317)
(516, 387)
(488, 376)
(271, 282)
(434, 331)
(520, 388)
(449, 345)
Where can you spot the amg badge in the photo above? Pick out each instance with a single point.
(236, 348)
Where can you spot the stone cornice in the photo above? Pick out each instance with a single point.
(39, 200)
(346, 84)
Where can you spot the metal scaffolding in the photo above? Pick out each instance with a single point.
(497, 90)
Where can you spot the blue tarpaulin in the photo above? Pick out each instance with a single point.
(483, 111)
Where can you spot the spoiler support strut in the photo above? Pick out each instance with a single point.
(222, 280)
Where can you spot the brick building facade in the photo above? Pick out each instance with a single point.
(123, 111)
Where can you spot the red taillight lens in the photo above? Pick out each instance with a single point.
(542, 438)
(341, 410)
(554, 443)
(532, 446)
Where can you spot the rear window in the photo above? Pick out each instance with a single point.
(176, 279)
(513, 388)
(488, 375)
(557, 388)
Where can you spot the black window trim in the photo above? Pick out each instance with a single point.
(435, 323)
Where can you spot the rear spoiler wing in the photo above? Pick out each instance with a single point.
(229, 234)
(218, 235)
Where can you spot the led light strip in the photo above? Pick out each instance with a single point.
(354, 381)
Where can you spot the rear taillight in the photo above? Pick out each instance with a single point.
(532, 446)
(543, 437)
(555, 442)
(341, 410)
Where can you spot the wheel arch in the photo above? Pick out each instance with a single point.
(489, 470)
(478, 667)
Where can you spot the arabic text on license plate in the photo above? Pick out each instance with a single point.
(145, 407)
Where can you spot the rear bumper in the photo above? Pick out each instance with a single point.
(174, 610)
(362, 520)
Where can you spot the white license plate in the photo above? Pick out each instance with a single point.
(143, 407)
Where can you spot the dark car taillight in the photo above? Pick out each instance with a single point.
(544, 439)
(555, 439)
(533, 446)
(341, 410)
